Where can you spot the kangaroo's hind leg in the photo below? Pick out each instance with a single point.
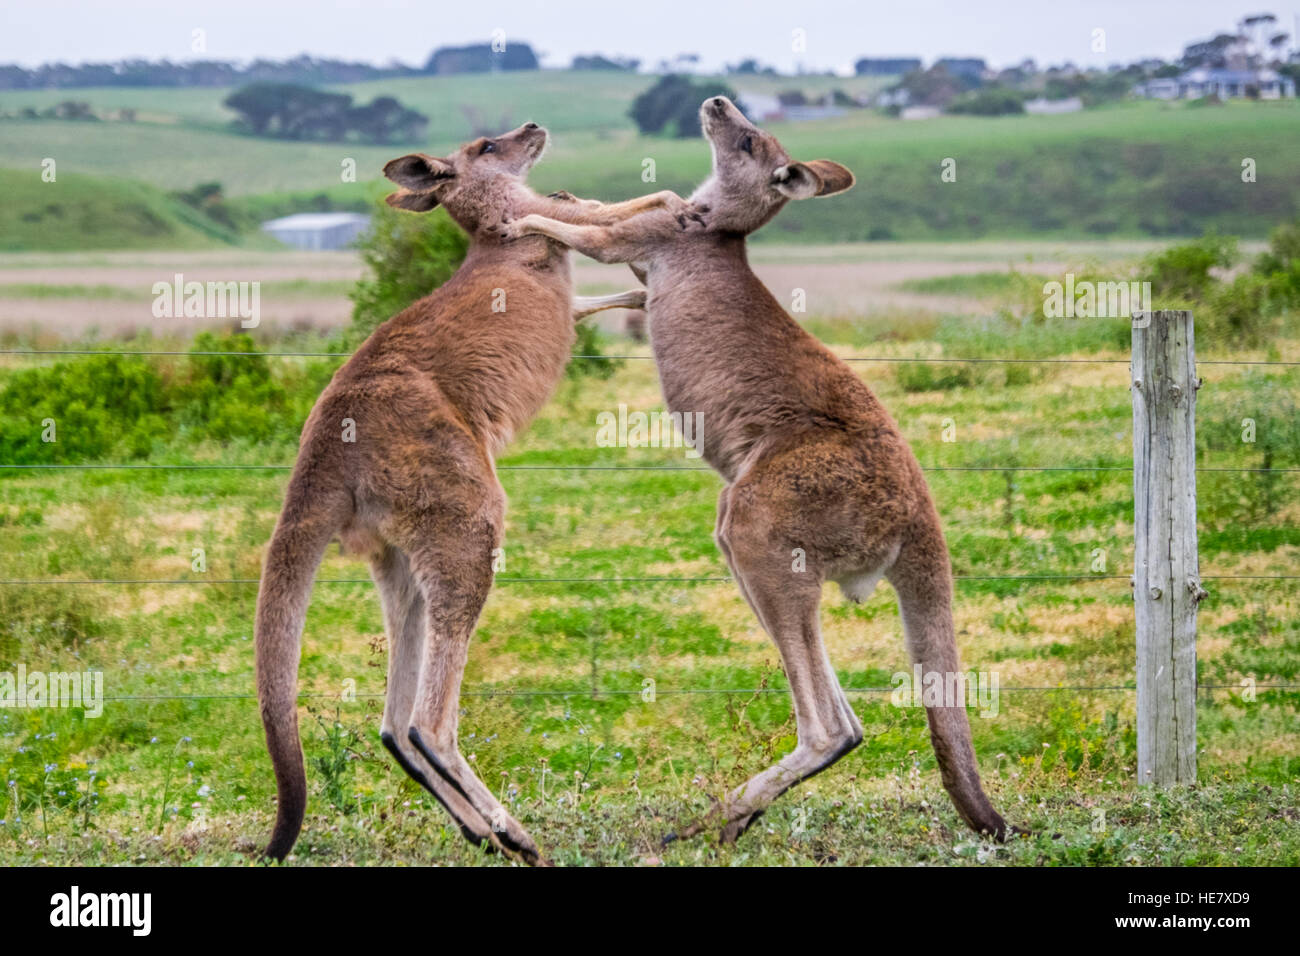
(404, 619)
(453, 568)
(787, 604)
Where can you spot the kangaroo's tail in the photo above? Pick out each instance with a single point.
(307, 523)
(923, 580)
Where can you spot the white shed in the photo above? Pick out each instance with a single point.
(318, 230)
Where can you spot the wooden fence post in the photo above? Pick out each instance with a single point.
(1166, 571)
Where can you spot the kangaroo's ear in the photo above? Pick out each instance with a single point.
(835, 178)
(412, 201)
(418, 172)
(796, 181)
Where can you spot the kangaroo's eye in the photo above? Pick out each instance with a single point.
(488, 147)
(747, 144)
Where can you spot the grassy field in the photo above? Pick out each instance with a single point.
(87, 212)
(456, 105)
(1134, 169)
(175, 770)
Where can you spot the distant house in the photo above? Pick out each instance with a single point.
(868, 66)
(762, 108)
(1225, 84)
(1071, 105)
(801, 114)
(890, 98)
(970, 68)
(318, 230)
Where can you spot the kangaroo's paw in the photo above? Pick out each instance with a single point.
(734, 830)
(508, 832)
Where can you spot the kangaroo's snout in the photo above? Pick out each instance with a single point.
(718, 113)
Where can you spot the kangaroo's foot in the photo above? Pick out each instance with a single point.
(452, 767)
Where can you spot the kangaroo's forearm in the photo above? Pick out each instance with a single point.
(619, 211)
(585, 305)
(602, 243)
(590, 212)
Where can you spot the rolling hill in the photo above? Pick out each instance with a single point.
(1134, 169)
(86, 212)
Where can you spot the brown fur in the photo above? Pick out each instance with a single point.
(434, 394)
(813, 462)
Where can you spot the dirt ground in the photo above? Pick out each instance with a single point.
(857, 280)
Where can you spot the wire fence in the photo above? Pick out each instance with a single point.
(636, 581)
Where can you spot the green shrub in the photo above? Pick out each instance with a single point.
(96, 405)
(588, 344)
(936, 376)
(116, 407)
(991, 101)
(1182, 272)
(225, 398)
(406, 256)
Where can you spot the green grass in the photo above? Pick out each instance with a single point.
(322, 288)
(979, 285)
(599, 774)
(1129, 170)
(79, 211)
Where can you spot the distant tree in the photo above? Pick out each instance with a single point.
(750, 67)
(932, 87)
(481, 58)
(385, 120)
(164, 73)
(595, 61)
(792, 98)
(301, 112)
(1210, 53)
(672, 105)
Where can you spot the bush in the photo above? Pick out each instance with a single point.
(935, 376)
(991, 101)
(672, 105)
(97, 405)
(227, 398)
(116, 407)
(406, 257)
(1244, 310)
(1183, 272)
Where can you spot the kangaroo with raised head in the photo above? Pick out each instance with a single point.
(396, 459)
(814, 465)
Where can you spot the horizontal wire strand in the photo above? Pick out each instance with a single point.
(611, 581)
(199, 466)
(645, 358)
(667, 692)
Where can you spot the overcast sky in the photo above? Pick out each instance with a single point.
(720, 31)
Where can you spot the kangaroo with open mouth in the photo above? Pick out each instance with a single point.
(821, 485)
(396, 459)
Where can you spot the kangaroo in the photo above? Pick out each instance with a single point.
(396, 459)
(813, 463)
